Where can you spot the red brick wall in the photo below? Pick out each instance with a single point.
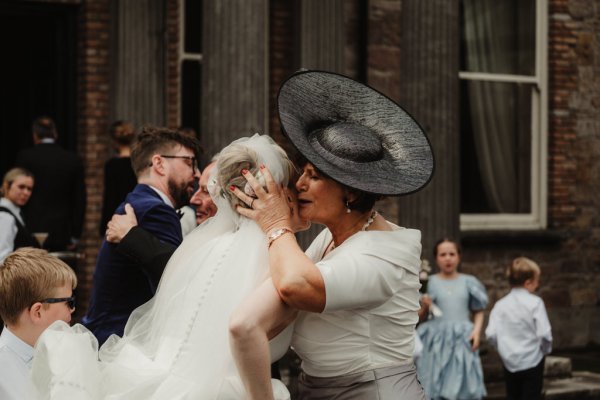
(569, 262)
(569, 259)
(563, 82)
(93, 113)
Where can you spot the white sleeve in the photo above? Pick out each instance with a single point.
(8, 231)
(543, 329)
(358, 280)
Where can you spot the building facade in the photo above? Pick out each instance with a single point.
(507, 92)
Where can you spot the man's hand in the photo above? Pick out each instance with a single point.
(119, 225)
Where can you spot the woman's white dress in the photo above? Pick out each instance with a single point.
(176, 346)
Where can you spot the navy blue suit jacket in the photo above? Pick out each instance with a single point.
(120, 286)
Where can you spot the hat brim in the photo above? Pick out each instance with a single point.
(312, 100)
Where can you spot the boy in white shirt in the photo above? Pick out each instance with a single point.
(519, 329)
(36, 289)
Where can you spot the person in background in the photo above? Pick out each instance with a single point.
(36, 289)
(119, 178)
(449, 366)
(17, 186)
(164, 162)
(57, 206)
(520, 331)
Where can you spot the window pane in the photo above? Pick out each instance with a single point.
(193, 26)
(495, 147)
(498, 36)
(191, 89)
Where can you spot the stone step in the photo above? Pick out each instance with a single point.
(582, 385)
(558, 367)
(555, 367)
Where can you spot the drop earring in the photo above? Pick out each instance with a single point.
(348, 210)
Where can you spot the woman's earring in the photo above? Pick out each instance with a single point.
(348, 210)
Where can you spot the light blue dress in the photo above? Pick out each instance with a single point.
(447, 367)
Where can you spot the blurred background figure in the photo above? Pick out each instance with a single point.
(449, 366)
(17, 186)
(57, 206)
(119, 178)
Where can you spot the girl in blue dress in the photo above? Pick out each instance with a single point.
(449, 366)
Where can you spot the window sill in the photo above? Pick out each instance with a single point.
(512, 237)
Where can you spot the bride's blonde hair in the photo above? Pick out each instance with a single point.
(236, 157)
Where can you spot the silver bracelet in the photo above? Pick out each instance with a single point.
(277, 233)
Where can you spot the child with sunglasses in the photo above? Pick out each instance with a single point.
(36, 289)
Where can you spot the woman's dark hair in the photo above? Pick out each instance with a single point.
(364, 201)
(445, 239)
(122, 132)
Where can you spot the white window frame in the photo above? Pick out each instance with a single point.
(183, 56)
(537, 218)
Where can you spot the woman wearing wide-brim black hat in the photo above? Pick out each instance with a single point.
(357, 286)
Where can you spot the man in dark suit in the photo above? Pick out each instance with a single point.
(143, 248)
(164, 162)
(57, 204)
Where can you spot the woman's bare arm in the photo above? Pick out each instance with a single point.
(262, 316)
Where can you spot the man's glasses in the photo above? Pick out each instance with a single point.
(69, 300)
(191, 161)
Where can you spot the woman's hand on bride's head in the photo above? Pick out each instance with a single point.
(270, 207)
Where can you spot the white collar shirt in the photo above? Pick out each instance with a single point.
(520, 330)
(162, 196)
(16, 357)
(8, 227)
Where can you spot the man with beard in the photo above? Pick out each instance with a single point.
(141, 246)
(164, 162)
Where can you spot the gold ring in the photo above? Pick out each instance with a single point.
(252, 202)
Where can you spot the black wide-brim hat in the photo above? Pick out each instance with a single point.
(354, 134)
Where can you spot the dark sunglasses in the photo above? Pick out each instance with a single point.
(69, 300)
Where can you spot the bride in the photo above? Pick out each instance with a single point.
(176, 346)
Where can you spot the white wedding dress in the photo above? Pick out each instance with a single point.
(176, 346)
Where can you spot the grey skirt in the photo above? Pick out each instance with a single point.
(398, 382)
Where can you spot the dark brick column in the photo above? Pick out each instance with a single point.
(429, 91)
(235, 77)
(93, 110)
(173, 78)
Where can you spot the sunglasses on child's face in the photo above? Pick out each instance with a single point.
(69, 300)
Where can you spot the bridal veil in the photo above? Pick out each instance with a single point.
(176, 346)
